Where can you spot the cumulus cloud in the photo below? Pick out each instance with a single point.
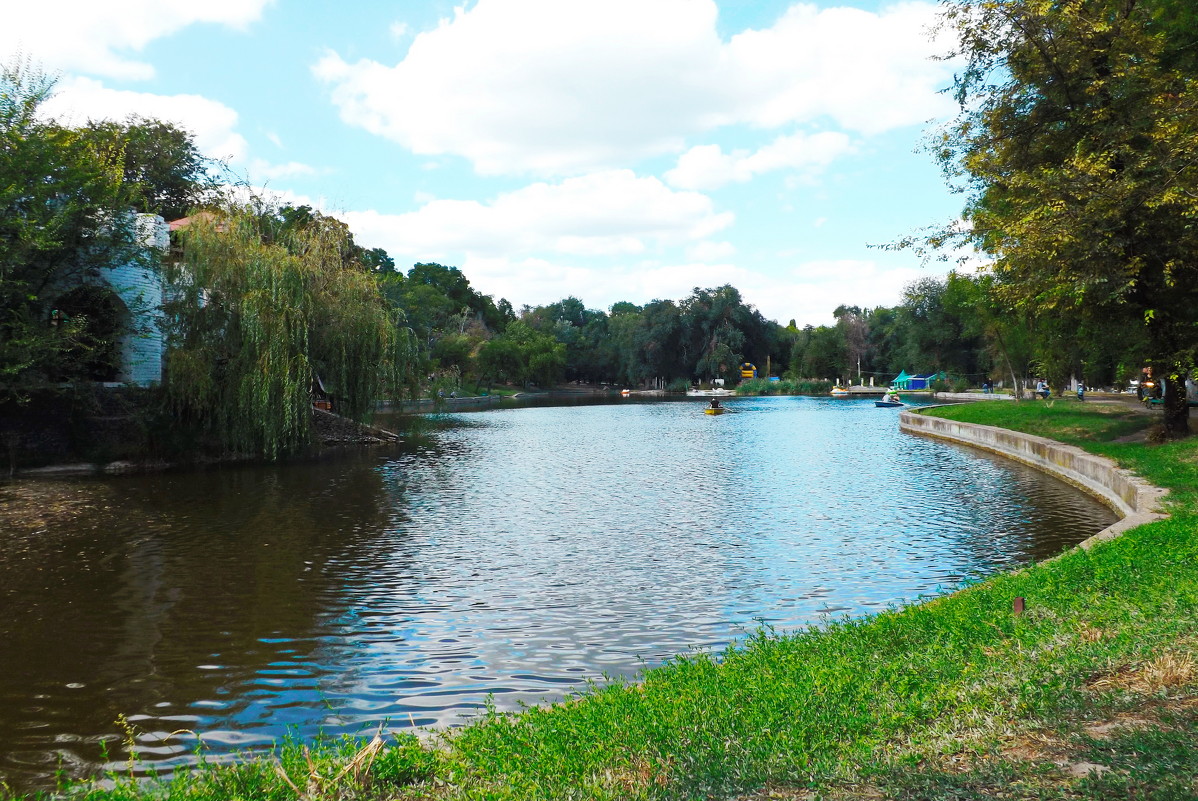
(811, 290)
(261, 169)
(807, 294)
(537, 281)
(214, 124)
(709, 167)
(610, 213)
(545, 87)
(96, 37)
(870, 72)
(710, 251)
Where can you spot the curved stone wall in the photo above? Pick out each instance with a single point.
(1133, 498)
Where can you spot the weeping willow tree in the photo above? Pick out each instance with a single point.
(253, 319)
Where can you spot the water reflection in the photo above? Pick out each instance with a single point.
(513, 553)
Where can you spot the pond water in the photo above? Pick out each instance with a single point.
(513, 553)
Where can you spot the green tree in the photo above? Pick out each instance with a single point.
(159, 163)
(62, 217)
(1075, 146)
(825, 353)
(253, 321)
(715, 322)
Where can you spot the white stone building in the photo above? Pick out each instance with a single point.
(137, 289)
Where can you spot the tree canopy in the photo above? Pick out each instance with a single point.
(59, 221)
(256, 319)
(1075, 147)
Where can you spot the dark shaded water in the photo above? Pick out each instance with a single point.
(513, 553)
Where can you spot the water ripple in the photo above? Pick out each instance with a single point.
(511, 555)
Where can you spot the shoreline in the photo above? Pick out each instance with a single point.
(934, 691)
(1134, 499)
(330, 431)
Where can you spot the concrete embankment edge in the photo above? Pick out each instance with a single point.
(1133, 499)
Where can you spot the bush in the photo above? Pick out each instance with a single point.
(762, 386)
(678, 385)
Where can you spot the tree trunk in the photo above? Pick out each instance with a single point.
(1016, 384)
(1177, 410)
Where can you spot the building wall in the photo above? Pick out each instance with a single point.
(138, 283)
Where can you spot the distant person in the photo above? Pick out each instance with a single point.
(715, 403)
(1042, 389)
(1081, 390)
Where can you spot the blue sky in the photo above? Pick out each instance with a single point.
(615, 150)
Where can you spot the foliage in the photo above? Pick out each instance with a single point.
(678, 385)
(819, 353)
(523, 355)
(59, 223)
(706, 335)
(936, 320)
(95, 313)
(158, 162)
(762, 386)
(1075, 146)
(437, 300)
(252, 323)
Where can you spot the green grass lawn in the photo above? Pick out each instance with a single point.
(1091, 693)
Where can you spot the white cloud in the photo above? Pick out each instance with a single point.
(610, 213)
(868, 72)
(94, 37)
(260, 170)
(545, 87)
(808, 294)
(537, 281)
(81, 99)
(708, 167)
(710, 251)
(811, 290)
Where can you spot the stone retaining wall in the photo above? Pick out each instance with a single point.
(1133, 498)
(973, 396)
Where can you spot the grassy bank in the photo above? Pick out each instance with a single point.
(1090, 693)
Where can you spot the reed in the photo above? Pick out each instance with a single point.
(786, 386)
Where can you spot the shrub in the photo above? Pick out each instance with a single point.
(761, 386)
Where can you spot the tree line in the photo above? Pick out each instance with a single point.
(1073, 152)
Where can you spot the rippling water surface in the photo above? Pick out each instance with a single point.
(512, 553)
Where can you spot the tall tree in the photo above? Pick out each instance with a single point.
(62, 217)
(1075, 145)
(163, 170)
(252, 321)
